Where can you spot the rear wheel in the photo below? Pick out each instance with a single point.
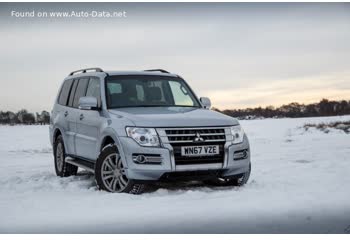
(110, 173)
(240, 180)
(62, 168)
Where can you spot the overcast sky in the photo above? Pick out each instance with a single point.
(239, 55)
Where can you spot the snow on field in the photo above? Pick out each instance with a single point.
(299, 184)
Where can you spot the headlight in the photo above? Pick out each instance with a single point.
(144, 136)
(237, 134)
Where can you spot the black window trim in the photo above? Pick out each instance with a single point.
(75, 80)
(71, 88)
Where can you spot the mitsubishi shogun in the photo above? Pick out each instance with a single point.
(134, 128)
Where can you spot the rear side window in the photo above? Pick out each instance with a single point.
(63, 98)
(94, 90)
(72, 92)
(80, 92)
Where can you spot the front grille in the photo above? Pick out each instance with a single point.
(188, 136)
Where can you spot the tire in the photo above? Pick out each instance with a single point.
(62, 168)
(110, 173)
(238, 181)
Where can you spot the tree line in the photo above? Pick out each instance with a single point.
(24, 117)
(292, 110)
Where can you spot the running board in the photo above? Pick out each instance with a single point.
(87, 165)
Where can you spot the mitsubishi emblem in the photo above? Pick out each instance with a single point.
(198, 138)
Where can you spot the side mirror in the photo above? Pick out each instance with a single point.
(88, 103)
(205, 102)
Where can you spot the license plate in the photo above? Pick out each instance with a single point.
(200, 150)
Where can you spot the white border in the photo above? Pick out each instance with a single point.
(176, 236)
(162, 1)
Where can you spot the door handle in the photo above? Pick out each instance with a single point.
(81, 116)
(66, 113)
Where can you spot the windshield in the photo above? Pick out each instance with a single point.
(148, 91)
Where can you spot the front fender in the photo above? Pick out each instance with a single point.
(110, 132)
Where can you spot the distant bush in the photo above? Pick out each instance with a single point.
(24, 117)
(324, 127)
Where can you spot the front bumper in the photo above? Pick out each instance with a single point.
(156, 172)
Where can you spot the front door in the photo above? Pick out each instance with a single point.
(89, 124)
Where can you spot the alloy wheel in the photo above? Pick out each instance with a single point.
(113, 173)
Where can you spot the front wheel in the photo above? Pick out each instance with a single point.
(110, 173)
(240, 180)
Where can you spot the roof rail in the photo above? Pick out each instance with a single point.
(84, 70)
(157, 70)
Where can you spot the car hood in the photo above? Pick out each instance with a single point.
(173, 117)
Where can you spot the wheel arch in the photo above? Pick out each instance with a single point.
(56, 133)
(107, 140)
(108, 137)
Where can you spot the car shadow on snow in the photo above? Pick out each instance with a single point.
(169, 187)
(85, 181)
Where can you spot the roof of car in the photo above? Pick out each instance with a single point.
(114, 73)
(99, 72)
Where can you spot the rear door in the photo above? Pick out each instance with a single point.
(89, 123)
(71, 118)
(67, 122)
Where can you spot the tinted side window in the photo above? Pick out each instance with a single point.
(72, 92)
(80, 92)
(94, 90)
(62, 100)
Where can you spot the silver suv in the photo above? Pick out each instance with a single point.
(134, 128)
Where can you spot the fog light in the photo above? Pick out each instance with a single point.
(240, 155)
(147, 158)
(140, 159)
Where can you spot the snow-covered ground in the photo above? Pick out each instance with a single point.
(299, 184)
